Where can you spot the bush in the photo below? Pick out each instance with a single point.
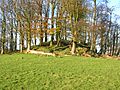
(81, 51)
(44, 49)
(67, 51)
(35, 47)
(63, 52)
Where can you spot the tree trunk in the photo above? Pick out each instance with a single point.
(46, 26)
(41, 34)
(21, 36)
(93, 34)
(35, 41)
(118, 52)
(29, 38)
(11, 35)
(73, 50)
(46, 36)
(3, 33)
(52, 38)
(52, 35)
(113, 47)
(58, 39)
(16, 37)
(65, 31)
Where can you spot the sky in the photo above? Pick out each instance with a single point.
(116, 4)
(116, 11)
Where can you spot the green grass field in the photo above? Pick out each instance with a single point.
(33, 72)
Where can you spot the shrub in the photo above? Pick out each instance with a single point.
(81, 51)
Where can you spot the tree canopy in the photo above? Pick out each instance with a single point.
(73, 24)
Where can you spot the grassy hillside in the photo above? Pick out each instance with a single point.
(34, 72)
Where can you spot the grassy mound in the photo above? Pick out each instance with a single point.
(34, 72)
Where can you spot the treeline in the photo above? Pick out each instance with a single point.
(27, 23)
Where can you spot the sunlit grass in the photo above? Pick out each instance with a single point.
(34, 72)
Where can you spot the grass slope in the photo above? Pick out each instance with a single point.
(33, 72)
